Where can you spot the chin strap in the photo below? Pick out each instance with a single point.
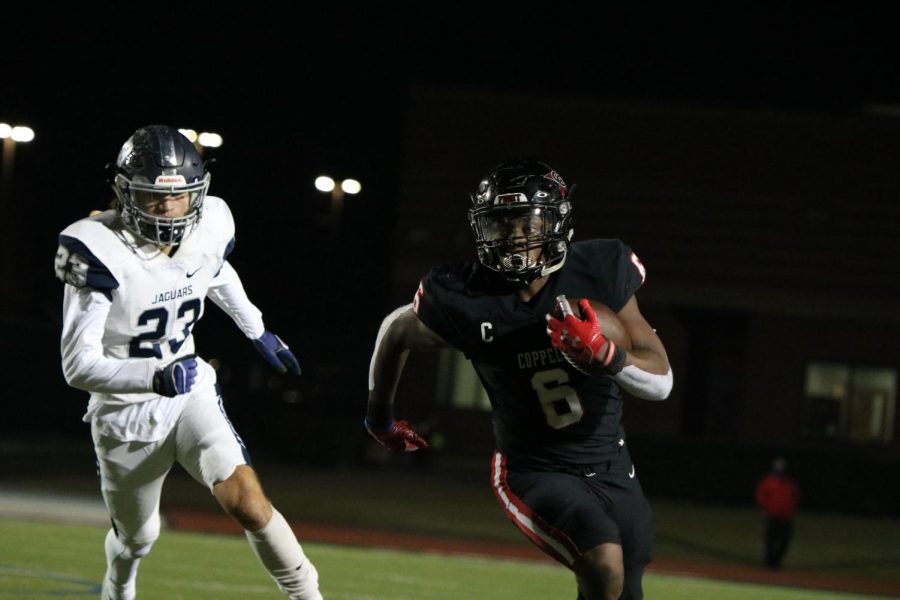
(556, 267)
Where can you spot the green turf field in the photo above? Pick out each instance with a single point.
(44, 560)
(449, 503)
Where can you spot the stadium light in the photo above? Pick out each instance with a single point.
(327, 185)
(17, 133)
(209, 140)
(11, 135)
(324, 183)
(204, 139)
(351, 186)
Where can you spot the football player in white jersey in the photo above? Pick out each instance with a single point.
(136, 278)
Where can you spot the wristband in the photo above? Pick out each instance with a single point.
(614, 359)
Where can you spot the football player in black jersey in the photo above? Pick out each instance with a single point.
(561, 470)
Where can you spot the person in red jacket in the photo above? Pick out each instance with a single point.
(778, 495)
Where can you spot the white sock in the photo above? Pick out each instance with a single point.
(280, 553)
(121, 569)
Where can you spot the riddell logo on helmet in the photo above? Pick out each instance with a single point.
(170, 180)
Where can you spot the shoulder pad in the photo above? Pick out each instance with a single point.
(76, 265)
(613, 267)
(447, 298)
(451, 277)
(218, 222)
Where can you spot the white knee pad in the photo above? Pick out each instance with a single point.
(131, 546)
(117, 548)
(139, 550)
(138, 544)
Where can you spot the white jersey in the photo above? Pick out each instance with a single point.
(129, 309)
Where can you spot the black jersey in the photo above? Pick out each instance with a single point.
(544, 411)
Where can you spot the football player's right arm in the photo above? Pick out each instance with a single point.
(400, 332)
(85, 367)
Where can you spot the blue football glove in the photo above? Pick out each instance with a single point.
(177, 377)
(277, 353)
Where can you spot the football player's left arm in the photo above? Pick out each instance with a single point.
(227, 292)
(400, 332)
(646, 372)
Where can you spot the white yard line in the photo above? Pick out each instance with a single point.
(54, 507)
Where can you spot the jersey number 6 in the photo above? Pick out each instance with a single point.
(562, 406)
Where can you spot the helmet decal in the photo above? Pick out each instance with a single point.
(558, 180)
(510, 198)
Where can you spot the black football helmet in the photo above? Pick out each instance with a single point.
(520, 205)
(159, 160)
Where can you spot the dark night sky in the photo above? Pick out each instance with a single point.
(325, 89)
(314, 88)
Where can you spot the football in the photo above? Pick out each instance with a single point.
(610, 325)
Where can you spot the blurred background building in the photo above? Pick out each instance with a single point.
(747, 154)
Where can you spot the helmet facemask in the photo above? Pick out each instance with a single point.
(162, 231)
(506, 237)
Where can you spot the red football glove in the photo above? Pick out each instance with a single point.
(581, 340)
(399, 437)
